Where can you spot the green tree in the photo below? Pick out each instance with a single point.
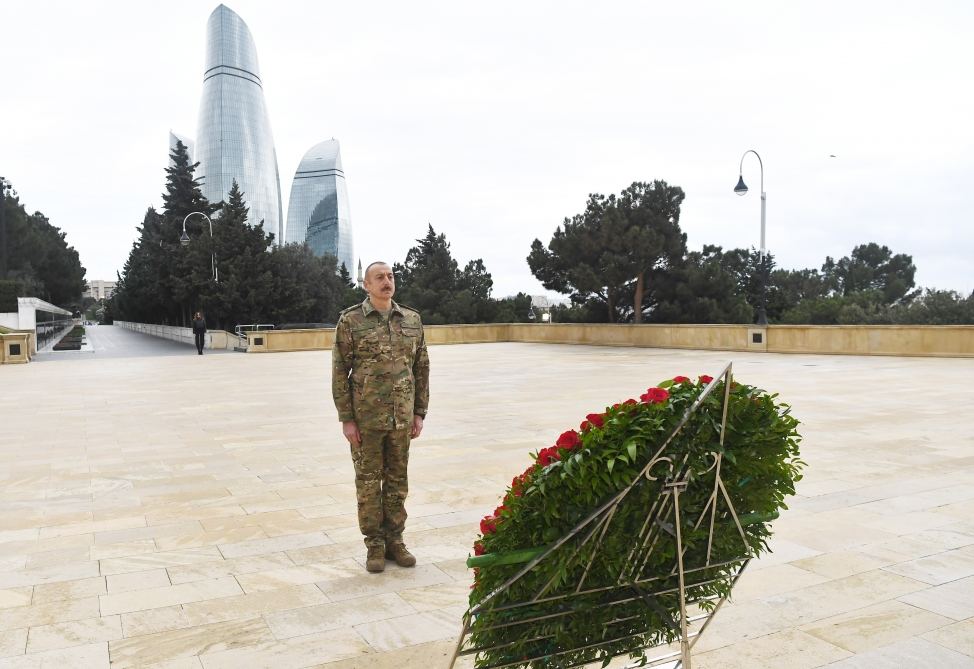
(162, 279)
(516, 309)
(40, 263)
(305, 288)
(351, 293)
(189, 267)
(789, 288)
(165, 281)
(935, 307)
(872, 267)
(611, 250)
(243, 263)
(702, 288)
(431, 281)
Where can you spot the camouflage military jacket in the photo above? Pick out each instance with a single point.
(380, 368)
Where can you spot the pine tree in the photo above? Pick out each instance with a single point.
(246, 281)
(189, 266)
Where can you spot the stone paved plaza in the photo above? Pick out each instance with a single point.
(199, 512)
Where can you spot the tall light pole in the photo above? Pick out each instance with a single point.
(184, 240)
(741, 189)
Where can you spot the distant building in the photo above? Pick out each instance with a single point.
(99, 290)
(187, 142)
(318, 212)
(541, 306)
(233, 137)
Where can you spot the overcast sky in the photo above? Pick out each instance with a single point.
(494, 121)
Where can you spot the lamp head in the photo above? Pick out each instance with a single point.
(740, 188)
(184, 239)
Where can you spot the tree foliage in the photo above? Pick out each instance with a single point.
(431, 281)
(705, 287)
(40, 263)
(164, 281)
(609, 252)
(872, 268)
(624, 258)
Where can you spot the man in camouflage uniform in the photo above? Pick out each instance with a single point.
(380, 381)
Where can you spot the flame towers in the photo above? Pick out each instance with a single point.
(233, 137)
(234, 142)
(317, 212)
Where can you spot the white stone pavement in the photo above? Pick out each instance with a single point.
(188, 511)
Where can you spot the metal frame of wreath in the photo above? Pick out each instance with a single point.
(662, 518)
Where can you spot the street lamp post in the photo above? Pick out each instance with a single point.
(184, 240)
(741, 189)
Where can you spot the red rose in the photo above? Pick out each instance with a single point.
(596, 419)
(497, 511)
(680, 379)
(488, 525)
(517, 485)
(584, 427)
(629, 403)
(478, 548)
(616, 406)
(548, 455)
(568, 440)
(655, 396)
(704, 379)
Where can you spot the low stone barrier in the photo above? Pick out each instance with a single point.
(897, 340)
(906, 340)
(278, 341)
(215, 339)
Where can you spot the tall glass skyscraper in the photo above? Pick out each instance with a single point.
(187, 142)
(318, 212)
(233, 137)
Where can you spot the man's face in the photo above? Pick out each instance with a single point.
(380, 283)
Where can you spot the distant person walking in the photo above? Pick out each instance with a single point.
(199, 331)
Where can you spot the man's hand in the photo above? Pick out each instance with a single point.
(351, 432)
(417, 427)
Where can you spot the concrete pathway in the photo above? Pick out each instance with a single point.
(109, 341)
(200, 512)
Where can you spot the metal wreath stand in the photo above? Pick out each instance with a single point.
(663, 523)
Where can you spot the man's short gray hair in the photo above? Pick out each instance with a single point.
(373, 264)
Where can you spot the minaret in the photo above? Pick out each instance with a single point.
(361, 279)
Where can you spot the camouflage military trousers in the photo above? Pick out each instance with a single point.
(381, 484)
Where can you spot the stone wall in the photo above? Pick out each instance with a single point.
(924, 340)
(215, 339)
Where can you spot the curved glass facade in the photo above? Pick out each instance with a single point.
(187, 142)
(318, 212)
(233, 138)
